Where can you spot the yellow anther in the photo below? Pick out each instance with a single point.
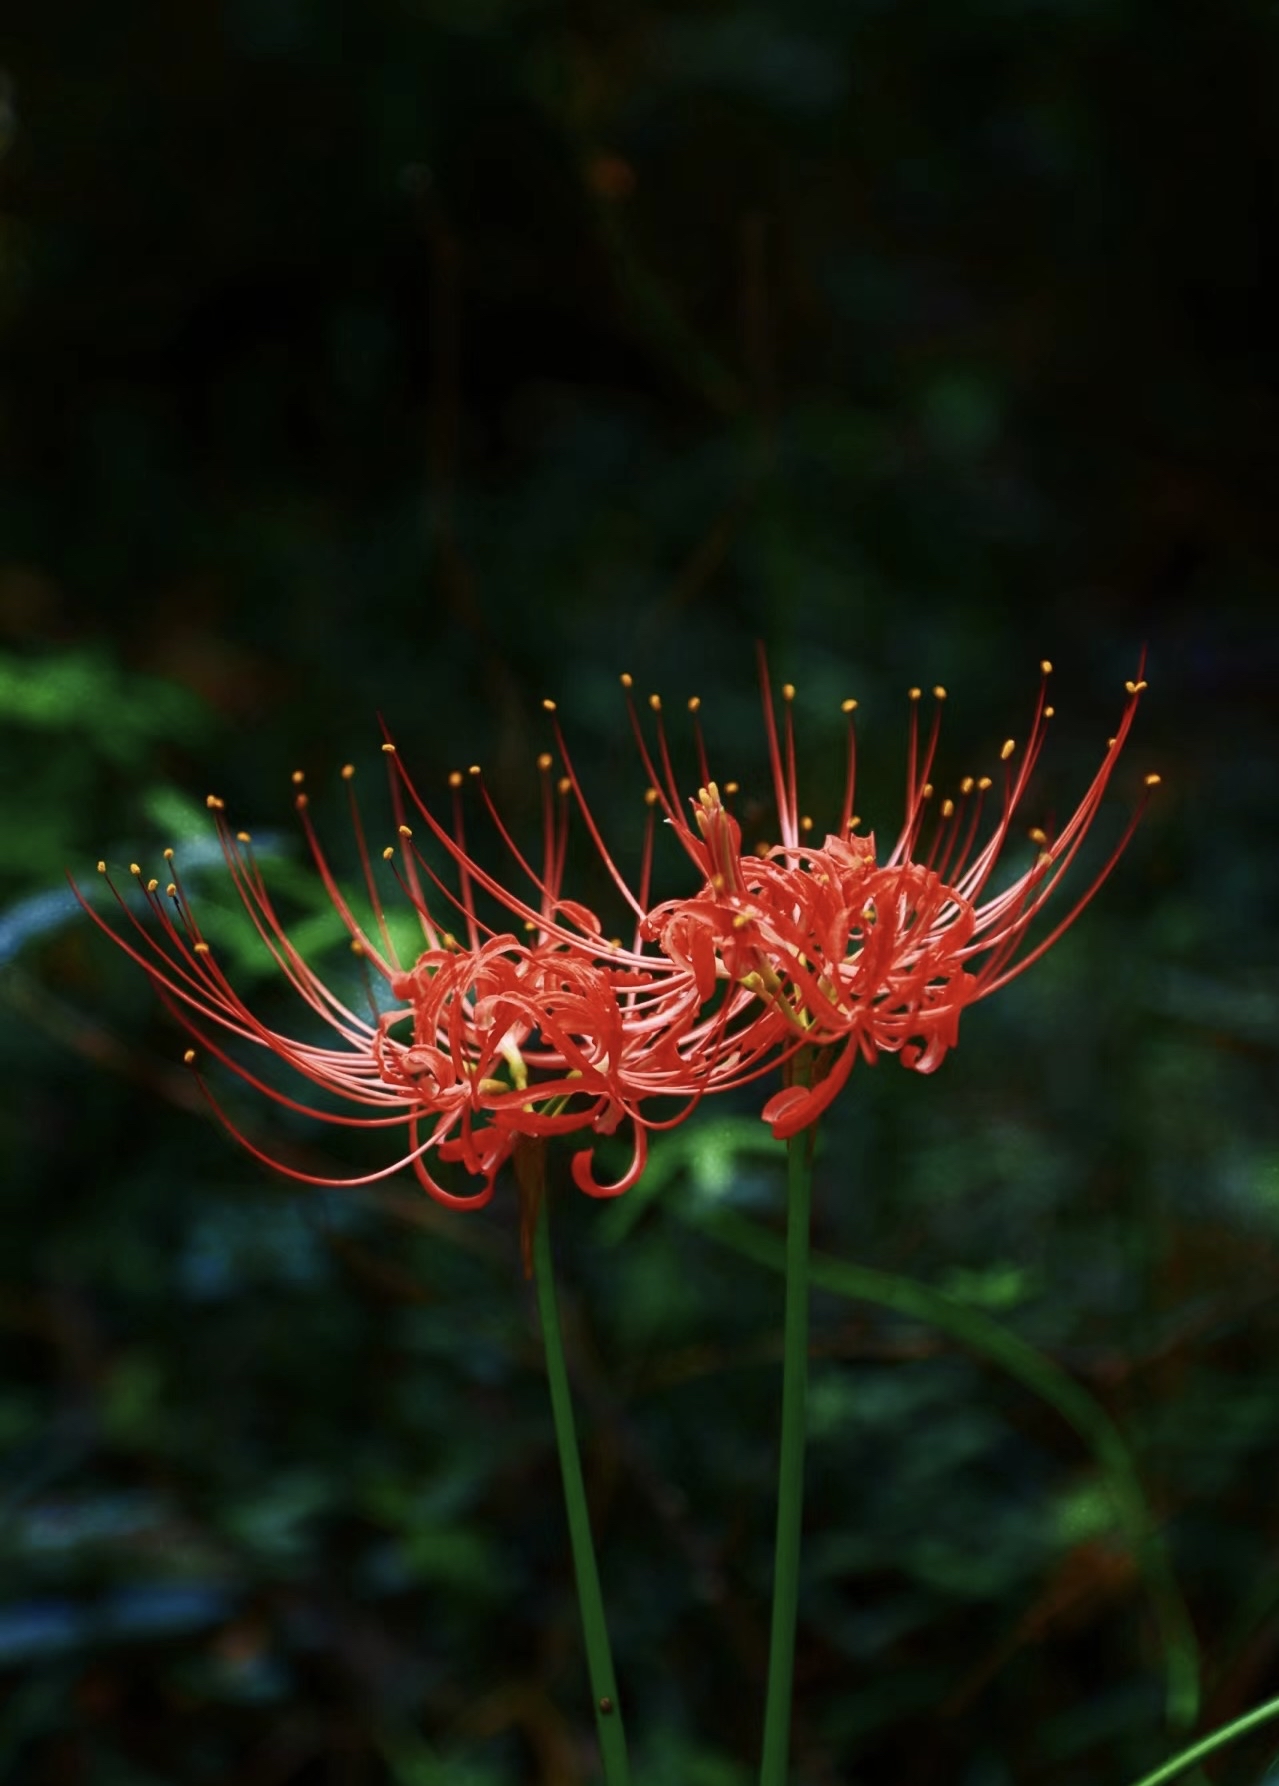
(939, 693)
(389, 749)
(188, 1059)
(1049, 711)
(805, 824)
(1110, 744)
(626, 679)
(134, 869)
(1135, 688)
(983, 784)
(948, 809)
(102, 868)
(1036, 835)
(967, 785)
(152, 885)
(302, 802)
(718, 883)
(651, 796)
(214, 804)
(1046, 667)
(168, 855)
(357, 947)
(404, 831)
(655, 702)
(387, 853)
(243, 837)
(563, 785)
(926, 792)
(449, 940)
(545, 760)
(742, 920)
(529, 924)
(202, 948)
(762, 847)
(548, 706)
(730, 787)
(788, 691)
(694, 702)
(297, 778)
(1153, 781)
(172, 890)
(455, 778)
(348, 770)
(849, 706)
(914, 693)
(854, 821)
(474, 769)
(1009, 747)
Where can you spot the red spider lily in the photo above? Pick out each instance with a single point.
(473, 1046)
(859, 955)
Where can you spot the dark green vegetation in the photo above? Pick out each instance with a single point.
(431, 358)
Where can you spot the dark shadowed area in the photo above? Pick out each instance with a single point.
(425, 360)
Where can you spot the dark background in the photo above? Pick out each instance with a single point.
(435, 357)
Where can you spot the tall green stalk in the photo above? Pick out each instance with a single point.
(599, 1656)
(790, 1484)
(1220, 1739)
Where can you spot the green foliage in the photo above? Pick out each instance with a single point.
(118, 717)
(75, 726)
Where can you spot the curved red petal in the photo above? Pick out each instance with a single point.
(584, 1181)
(799, 1106)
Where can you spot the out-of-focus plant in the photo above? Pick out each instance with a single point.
(77, 734)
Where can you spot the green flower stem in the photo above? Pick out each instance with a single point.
(790, 1485)
(599, 1657)
(977, 1330)
(1229, 1733)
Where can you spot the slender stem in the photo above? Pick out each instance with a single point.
(1210, 1744)
(599, 1657)
(790, 1483)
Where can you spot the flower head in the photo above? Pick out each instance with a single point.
(471, 1045)
(862, 951)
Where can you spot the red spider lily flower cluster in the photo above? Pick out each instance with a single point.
(818, 951)
(476, 1044)
(862, 955)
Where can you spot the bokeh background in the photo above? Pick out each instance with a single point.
(430, 358)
